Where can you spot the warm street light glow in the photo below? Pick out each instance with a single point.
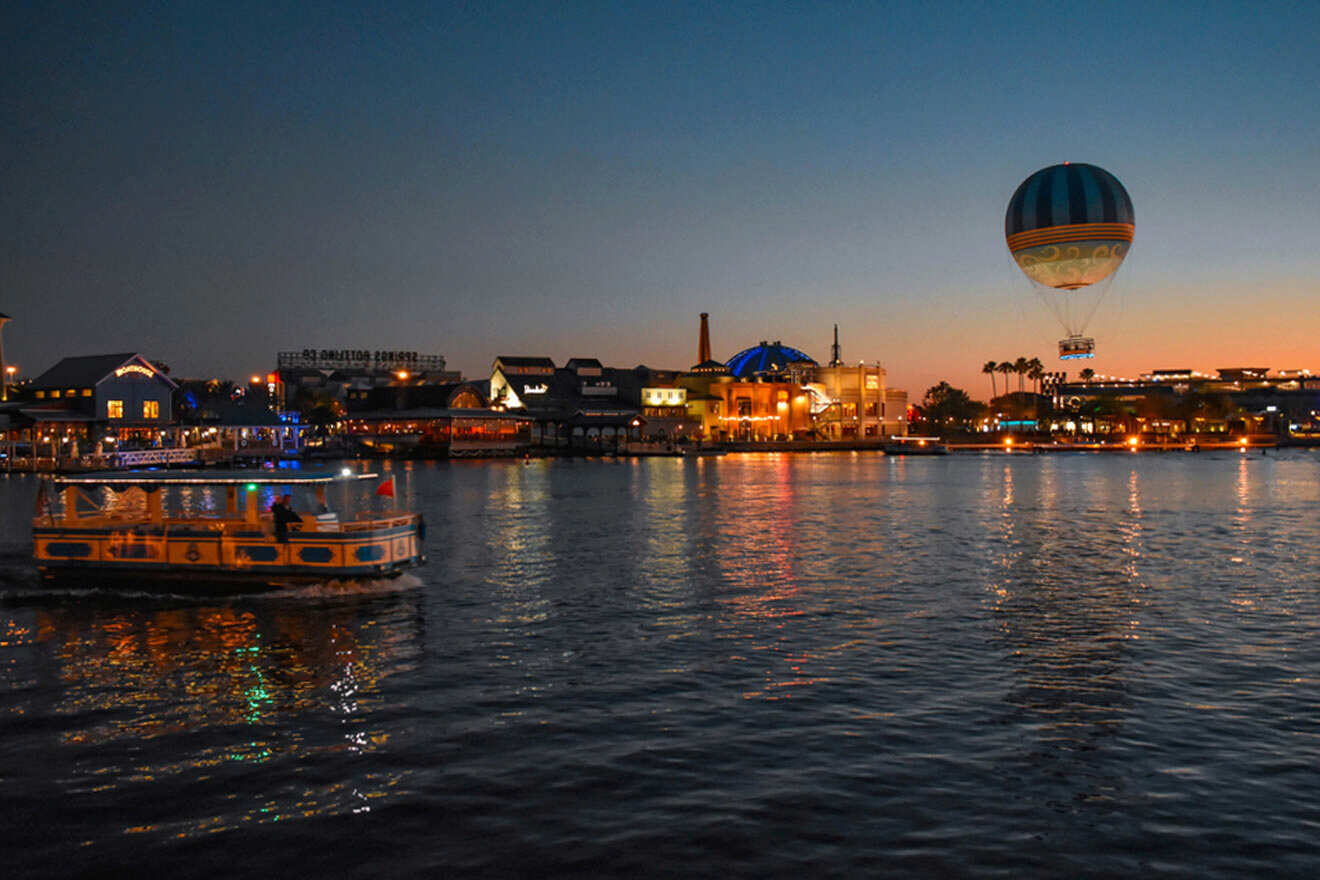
(256, 380)
(403, 375)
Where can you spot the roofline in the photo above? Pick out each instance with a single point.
(155, 371)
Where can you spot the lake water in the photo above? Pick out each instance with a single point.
(756, 665)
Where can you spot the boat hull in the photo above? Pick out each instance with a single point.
(253, 559)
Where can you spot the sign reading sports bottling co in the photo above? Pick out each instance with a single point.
(361, 358)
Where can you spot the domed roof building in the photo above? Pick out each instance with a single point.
(768, 359)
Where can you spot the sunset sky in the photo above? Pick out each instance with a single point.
(209, 183)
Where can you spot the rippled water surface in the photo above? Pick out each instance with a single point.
(756, 665)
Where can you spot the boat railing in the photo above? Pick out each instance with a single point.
(311, 523)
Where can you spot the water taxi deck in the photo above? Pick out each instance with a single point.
(129, 533)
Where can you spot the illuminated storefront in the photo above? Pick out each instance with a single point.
(97, 404)
(439, 433)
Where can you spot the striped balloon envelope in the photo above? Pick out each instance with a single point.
(1069, 226)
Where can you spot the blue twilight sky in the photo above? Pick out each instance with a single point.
(209, 183)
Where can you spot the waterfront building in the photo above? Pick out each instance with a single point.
(91, 402)
(581, 405)
(247, 430)
(433, 432)
(757, 395)
(762, 410)
(1176, 401)
(773, 391)
(664, 406)
(453, 419)
(305, 377)
(853, 401)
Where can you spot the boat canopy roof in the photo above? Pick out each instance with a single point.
(212, 478)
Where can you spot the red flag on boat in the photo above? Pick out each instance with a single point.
(386, 488)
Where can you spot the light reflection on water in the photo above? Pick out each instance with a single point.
(150, 697)
(1054, 664)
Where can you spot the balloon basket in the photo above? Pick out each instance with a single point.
(1076, 347)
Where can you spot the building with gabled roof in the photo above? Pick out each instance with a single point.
(120, 389)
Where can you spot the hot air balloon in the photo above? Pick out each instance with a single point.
(1069, 227)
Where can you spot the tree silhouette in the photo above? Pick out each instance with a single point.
(1020, 367)
(946, 405)
(990, 367)
(1035, 372)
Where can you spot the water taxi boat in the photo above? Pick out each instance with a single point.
(225, 535)
(911, 444)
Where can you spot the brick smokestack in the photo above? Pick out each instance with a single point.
(703, 347)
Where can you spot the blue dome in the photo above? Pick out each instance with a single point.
(768, 357)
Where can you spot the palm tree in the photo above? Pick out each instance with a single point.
(990, 367)
(1086, 375)
(1035, 372)
(1020, 367)
(1005, 367)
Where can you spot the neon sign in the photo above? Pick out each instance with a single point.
(135, 368)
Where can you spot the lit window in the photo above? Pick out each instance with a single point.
(41, 395)
(114, 409)
(150, 409)
(54, 394)
(87, 392)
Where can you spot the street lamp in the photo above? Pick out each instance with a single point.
(4, 386)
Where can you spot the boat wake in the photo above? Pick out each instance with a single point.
(337, 588)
